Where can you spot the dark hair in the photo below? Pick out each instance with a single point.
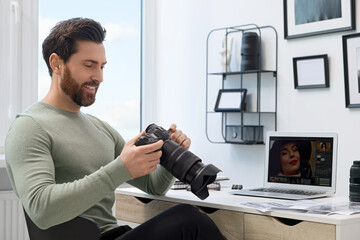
(304, 148)
(62, 38)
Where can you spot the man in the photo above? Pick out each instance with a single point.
(63, 163)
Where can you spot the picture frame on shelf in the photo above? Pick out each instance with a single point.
(311, 71)
(310, 18)
(351, 54)
(230, 100)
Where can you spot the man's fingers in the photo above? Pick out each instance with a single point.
(151, 147)
(172, 128)
(175, 135)
(133, 141)
(154, 156)
(186, 143)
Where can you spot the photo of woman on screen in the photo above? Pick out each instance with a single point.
(290, 159)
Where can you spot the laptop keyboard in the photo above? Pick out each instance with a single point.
(288, 191)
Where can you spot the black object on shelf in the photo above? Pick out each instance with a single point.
(250, 49)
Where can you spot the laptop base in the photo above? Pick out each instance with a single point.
(280, 195)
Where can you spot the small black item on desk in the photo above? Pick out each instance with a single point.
(236, 186)
(354, 187)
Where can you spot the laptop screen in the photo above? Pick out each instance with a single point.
(301, 160)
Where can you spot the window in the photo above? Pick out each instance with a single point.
(118, 98)
(18, 65)
(22, 82)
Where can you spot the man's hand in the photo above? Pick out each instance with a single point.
(179, 137)
(141, 160)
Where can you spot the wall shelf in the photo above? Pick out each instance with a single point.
(242, 72)
(250, 125)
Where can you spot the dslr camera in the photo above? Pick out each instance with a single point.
(181, 163)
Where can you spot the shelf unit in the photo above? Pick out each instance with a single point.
(245, 126)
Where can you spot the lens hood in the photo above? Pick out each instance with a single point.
(205, 176)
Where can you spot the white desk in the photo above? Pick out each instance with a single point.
(239, 222)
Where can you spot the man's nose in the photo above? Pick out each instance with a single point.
(98, 75)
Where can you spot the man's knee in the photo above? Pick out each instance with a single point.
(186, 209)
(189, 214)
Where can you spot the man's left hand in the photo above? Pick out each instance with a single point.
(179, 137)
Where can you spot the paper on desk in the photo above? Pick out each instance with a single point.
(344, 208)
(301, 206)
(307, 206)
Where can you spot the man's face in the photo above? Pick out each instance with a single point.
(83, 73)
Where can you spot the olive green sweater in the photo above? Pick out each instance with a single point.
(64, 164)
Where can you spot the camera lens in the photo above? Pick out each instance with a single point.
(250, 51)
(187, 167)
(180, 162)
(354, 180)
(177, 159)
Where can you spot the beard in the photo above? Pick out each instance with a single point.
(76, 92)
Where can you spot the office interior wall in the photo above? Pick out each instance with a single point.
(181, 28)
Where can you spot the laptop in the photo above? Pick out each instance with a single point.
(298, 166)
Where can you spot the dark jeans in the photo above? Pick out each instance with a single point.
(182, 222)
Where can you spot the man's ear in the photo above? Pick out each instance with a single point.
(55, 63)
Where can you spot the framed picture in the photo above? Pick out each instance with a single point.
(311, 71)
(351, 52)
(230, 100)
(308, 17)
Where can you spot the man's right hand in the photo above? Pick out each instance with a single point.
(141, 160)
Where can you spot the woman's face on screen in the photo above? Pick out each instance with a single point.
(289, 159)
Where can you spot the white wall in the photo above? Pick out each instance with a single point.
(181, 28)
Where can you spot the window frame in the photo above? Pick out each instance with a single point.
(148, 64)
(19, 64)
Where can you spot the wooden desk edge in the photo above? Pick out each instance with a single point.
(177, 196)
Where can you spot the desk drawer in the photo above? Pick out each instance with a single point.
(270, 228)
(138, 210)
(230, 223)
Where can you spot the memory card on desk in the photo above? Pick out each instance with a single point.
(221, 178)
(179, 185)
(212, 186)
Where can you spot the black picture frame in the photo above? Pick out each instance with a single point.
(231, 100)
(311, 71)
(351, 53)
(325, 16)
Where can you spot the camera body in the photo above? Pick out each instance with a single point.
(180, 162)
(153, 134)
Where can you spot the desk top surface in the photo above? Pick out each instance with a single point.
(224, 200)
